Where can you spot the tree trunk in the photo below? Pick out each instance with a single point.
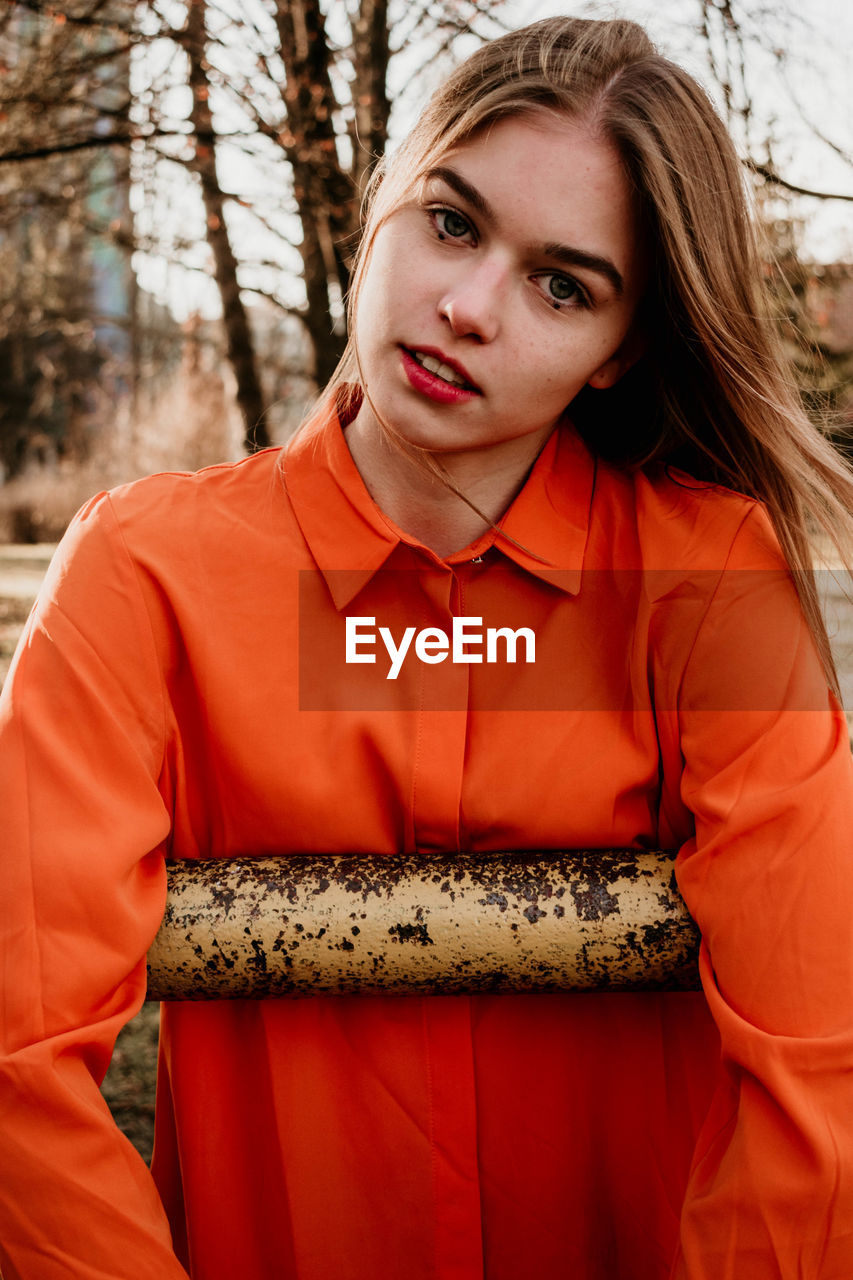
(238, 333)
(326, 197)
(370, 96)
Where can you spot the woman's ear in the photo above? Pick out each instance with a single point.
(633, 346)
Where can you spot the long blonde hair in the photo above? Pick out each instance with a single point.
(714, 395)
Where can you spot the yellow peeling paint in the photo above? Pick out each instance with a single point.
(304, 925)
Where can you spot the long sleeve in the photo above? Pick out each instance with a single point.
(769, 880)
(82, 890)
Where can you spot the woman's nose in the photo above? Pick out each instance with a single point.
(472, 304)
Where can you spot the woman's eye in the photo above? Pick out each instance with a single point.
(559, 289)
(449, 223)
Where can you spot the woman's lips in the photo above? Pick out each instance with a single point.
(429, 381)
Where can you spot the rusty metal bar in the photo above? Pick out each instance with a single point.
(415, 925)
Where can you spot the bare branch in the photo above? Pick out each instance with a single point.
(846, 156)
(769, 174)
(208, 138)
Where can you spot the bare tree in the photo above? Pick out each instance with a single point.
(321, 101)
(66, 289)
(311, 106)
(732, 32)
(238, 333)
(297, 87)
(325, 192)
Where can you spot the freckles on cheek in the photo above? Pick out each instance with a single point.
(555, 375)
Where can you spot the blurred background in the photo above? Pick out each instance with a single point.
(179, 196)
(179, 204)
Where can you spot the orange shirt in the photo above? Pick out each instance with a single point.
(180, 691)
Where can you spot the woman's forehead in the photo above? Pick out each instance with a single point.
(544, 176)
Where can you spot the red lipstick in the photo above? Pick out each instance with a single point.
(430, 384)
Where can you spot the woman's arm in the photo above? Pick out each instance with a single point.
(82, 888)
(769, 880)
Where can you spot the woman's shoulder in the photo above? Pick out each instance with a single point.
(229, 504)
(209, 494)
(183, 527)
(678, 521)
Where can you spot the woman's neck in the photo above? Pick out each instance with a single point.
(422, 503)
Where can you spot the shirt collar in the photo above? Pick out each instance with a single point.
(351, 539)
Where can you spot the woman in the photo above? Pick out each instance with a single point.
(565, 228)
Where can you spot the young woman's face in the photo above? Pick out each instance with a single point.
(507, 285)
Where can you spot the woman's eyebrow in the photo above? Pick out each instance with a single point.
(463, 189)
(591, 261)
(564, 253)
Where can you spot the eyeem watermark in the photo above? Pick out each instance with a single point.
(466, 643)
